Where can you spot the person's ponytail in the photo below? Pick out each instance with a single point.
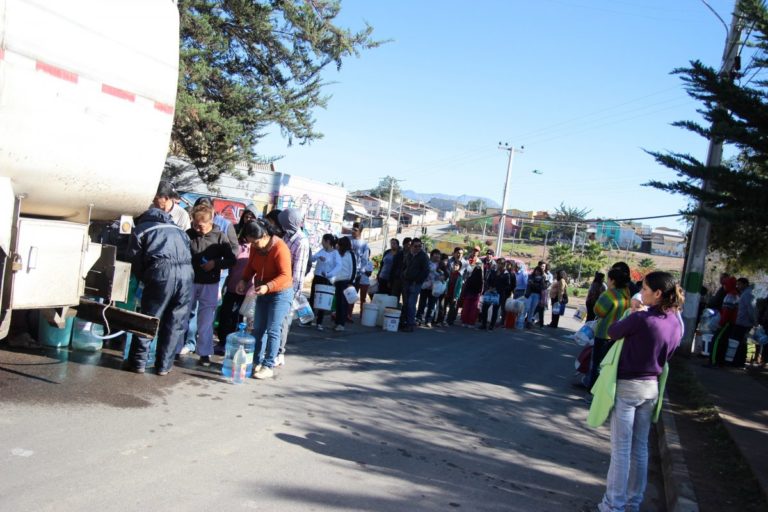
(671, 294)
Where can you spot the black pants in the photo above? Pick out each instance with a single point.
(590, 312)
(739, 332)
(484, 315)
(721, 344)
(599, 350)
(555, 317)
(451, 311)
(229, 315)
(341, 302)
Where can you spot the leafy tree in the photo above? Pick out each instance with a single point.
(476, 205)
(736, 108)
(382, 189)
(247, 64)
(566, 216)
(585, 261)
(646, 264)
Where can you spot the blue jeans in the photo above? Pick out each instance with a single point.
(531, 307)
(411, 297)
(630, 423)
(271, 310)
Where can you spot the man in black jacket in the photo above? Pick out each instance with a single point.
(414, 275)
(162, 262)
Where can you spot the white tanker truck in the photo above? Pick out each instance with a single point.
(87, 95)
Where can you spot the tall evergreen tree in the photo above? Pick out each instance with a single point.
(247, 64)
(736, 109)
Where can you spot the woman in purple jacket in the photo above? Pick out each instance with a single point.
(650, 337)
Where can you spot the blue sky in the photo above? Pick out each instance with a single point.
(584, 85)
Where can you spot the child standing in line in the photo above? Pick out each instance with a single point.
(448, 311)
(327, 265)
(425, 296)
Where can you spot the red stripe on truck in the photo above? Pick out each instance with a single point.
(118, 93)
(162, 107)
(63, 74)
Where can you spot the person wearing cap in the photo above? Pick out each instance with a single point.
(161, 260)
(166, 200)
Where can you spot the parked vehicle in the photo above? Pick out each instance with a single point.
(87, 95)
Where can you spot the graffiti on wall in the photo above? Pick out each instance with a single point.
(229, 209)
(318, 216)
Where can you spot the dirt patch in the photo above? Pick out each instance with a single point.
(721, 478)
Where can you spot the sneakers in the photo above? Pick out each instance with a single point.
(428, 325)
(338, 328)
(264, 373)
(204, 361)
(320, 327)
(257, 368)
(185, 350)
(163, 373)
(280, 360)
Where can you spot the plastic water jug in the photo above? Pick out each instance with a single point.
(240, 365)
(237, 339)
(85, 336)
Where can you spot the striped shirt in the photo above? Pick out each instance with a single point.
(609, 308)
(298, 244)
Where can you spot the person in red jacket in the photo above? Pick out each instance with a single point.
(728, 313)
(269, 268)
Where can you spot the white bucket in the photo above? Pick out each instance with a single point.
(324, 297)
(391, 319)
(731, 352)
(706, 344)
(383, 301)
(351, 295)
(370, 313)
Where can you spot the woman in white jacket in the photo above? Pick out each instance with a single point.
(327, 265)
(343, 278)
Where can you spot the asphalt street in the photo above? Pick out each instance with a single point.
(440, 419)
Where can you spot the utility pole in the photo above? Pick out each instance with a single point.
(575, 230)
(693, 276)
(503, 218)
(392, 182)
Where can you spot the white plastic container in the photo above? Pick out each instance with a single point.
(370, 313)
(391, 319)
(324, 297)
(384, 301)
(351, 295)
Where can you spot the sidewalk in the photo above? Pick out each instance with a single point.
(741, 398)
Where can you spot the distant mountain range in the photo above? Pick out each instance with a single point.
(462, 199)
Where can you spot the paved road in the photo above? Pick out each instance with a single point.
(436, 420)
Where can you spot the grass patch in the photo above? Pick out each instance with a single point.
(722, 479)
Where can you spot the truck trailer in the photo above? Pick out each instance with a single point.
(87, 96)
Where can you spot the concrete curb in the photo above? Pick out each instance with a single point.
(678, 488)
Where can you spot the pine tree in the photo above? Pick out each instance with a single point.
(736, 108)
(248, 64)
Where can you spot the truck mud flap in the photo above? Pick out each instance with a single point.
(118, 319)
